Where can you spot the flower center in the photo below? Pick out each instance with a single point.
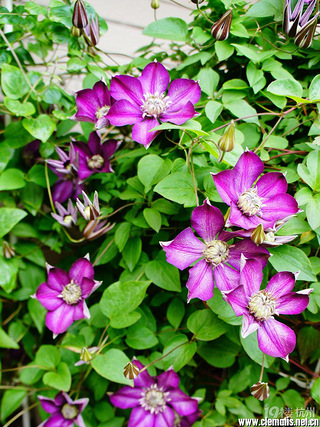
(96, 162)
(103, 111)
(67, 219)
(69, 412)
(262, 305)
(154, 105)
(154, 399)
(270, 237)
(71, 293)
(249, 202)
(216, 252)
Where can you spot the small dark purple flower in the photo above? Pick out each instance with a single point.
(252, 203)
(258, 307)
(93, 105)
(66, 216)
(143, 101)
(218, 259)
(64, 294)
(94, 157)
(64, 411)
(156, 401)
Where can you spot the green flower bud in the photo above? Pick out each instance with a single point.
(226, 142)
(220, 30)
(155, 4)
(258, 235)
(85, 355)
(76, 32)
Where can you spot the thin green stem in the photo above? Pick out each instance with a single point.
(12, 420)
(262, 367)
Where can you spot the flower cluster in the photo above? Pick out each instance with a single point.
(258, 208)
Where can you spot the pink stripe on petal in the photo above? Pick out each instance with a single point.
(126, 397)
(57, 279)
(276, 339)
(200, 282)
(281, 284)
(165, 418)
(292, 303)
(48, 297)
(127, 88)
(207, 220)
(123, 113)
(278, 207)
(271, 184)
(59, 320)
(224, 183)
(141, 131)
(182, 403)
(102, 93)
(184, 249)
(251, 277)
(142, 418)
(246, 171)
(183, 90)
(168, 379)
(238, 300)
(80, 269)
(225, 277)
(178, 117)
(154, 78)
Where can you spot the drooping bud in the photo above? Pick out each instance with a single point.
(85, 355)
(76, 32)
(226, 142)
(260, 390)
(197, 1)
(220, 30)
(258, 235)
(130, 371)
(155, 4)
(305, 36)
(79, 17)
(8, 251)
(92, 31)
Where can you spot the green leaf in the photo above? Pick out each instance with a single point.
(9, 217)
(223, 309)
(122, 234)
(110, 365)
(307, 341)
(13, 82)
(37, 313)
(289, 258)
(109, 254)
(213, 110)
(223, 50)
(18, 108)
(140, 337)
(9, 270)
(125, 320)
(189, 126)
(315, 390)
(5, 155)
(220, 353)
(310, 173)
(179, 188)
(241, 108)
(120, 298)
(41, 128)
(153, 218)
(6, 341)
(208, 80)
(48, 357)
(314, 89)
(313, 210)
(164, 275)
(132, 251)
(151, 169)
(60, 379)
(205, 325)
(169, 29)
(286, 87)
(35, 9)
(251, 347)
(164, 206)
(175, 312)
(12, 179)
(182, 355)
(11, 400)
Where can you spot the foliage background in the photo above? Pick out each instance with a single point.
(151, 195)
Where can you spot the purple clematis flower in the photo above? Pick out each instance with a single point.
(65, 216)
(64, 411)
(219, 260)
(264, 202)
(94, 157)
(156, 401)
(93, 105)
(258, 307)
(64, 294)
(142, 101)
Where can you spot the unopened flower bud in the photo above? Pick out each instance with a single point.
(8, 251)
(79, 17)
(305, 36)
(85, 355)
(76, 32)
(92, 31)
(258, 235)
(130, 371)
(260, 390)
(155, 4)
(197, 1)
(220, 30)
(226, 142)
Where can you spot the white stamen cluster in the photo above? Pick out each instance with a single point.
(249, 202)
(154, 105)
(154, 399)
(69, 412)
(95, 162)
(71, 293)
(216, 252)
(262, 305)
(68, 219)
(103, 111)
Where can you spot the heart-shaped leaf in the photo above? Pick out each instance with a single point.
(18, 108)
(41, 128)
(61, 379)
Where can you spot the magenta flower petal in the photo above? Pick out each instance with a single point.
(127, 88)
(57, 279)
(251, 276)
(246, 171)
(154, 78)
(140, 417)
(80, 269)
(225, 277)
(109, 148)
(271, 184)
(59, 320)
(81, 311)
(168, 379)
(48, 297)
(237, 218)
(278, 207)
(48, 404)
(276, 339)
(124, 112)
(181, 90)
(165, 418)
(281, 284)
(86, 287)
(182, 403)
(224, 184)
(62, 190)
(238, 300)
(184, 249)
(292, 303)
(57, 420)
(143, 379)
(248, 249)
(249, 325)
(141, 131)
(79, 421)
(200, 282)
(126, 397)
(178, 117)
